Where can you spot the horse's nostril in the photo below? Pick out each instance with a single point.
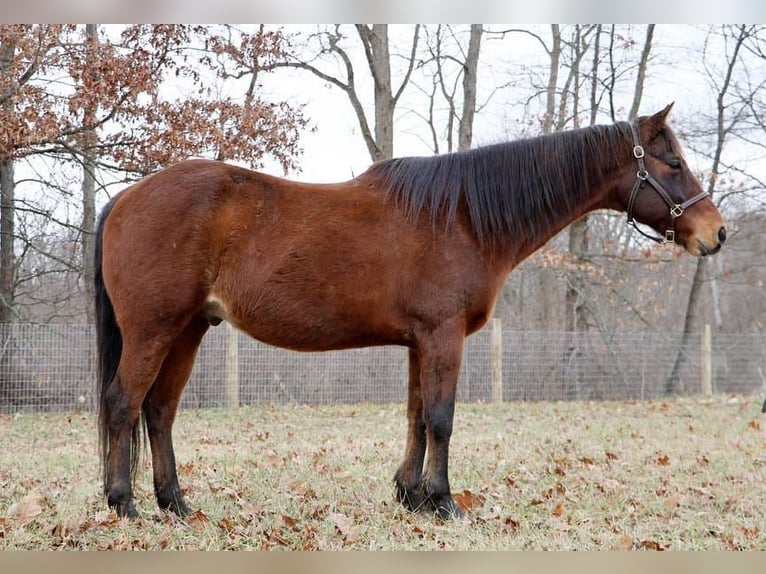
(722, 234)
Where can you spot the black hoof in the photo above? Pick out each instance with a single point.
(124, 509)
(444, 506)
(412, 498)
(174, 503)
(417, 499)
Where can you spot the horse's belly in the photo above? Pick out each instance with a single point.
(305, 324)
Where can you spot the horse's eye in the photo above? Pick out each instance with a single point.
(672, 160)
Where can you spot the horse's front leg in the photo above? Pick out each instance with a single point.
(440, 355)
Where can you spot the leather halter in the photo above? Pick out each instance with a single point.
(643, 176)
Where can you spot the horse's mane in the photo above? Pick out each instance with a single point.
(518, 187)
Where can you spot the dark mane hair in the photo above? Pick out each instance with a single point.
(510, 188)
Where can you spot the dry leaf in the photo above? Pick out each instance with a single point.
(623, 542)
(290, 522)
(197, 520)
(467, 500)
(663, 460)
(106, 517)
(510, 482)
(650, 544)
(341, 522)
(754, 425)
(559, 510)
(511, 525)
(673, 501)
(750, 533)
(26, 510)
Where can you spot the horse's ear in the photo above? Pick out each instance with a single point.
(658, 119)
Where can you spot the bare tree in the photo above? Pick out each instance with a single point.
(728, 115)
(375, 44)
(451, 68)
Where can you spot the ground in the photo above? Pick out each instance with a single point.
(681, 474)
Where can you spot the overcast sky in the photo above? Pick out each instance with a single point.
(335, 151)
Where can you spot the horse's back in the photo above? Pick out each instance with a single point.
(297, 265)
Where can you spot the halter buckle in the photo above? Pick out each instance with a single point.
(676, 211)
(642, 174)
(670, 236)
(638, 151)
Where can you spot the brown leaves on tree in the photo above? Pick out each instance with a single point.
(122, 87)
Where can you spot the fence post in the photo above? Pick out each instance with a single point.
(232, 366)
(706, 361)
(496, 360)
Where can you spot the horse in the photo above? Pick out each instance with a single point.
(413, 252)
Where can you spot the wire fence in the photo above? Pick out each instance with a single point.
(52, 368)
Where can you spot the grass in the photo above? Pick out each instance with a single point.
(684, 474)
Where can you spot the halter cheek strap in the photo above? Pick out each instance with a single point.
(643, 176)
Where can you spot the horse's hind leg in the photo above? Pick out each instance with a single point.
(160, 406)
(407, 478)
(139, 364)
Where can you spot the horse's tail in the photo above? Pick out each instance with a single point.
(109, 345)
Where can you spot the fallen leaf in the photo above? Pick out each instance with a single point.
(290, 522)
(611, 456)
(26, 510)
(650, 544)
(663, 460)
(467, 500)
(341, 522)
(250, 510)
(750, 533)
(197, 520)
(511, 525)
(754, 425)
(559, 510)
(623, 542)
(275, 537)
(673, 501)
(106, 517)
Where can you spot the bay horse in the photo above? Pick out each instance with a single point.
(412, 252)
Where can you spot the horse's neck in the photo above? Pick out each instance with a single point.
(516, 250)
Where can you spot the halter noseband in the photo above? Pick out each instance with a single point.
(643, 176)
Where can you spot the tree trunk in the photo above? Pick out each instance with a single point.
(380, 66)
(547, 278)
(641, 75)
(575, 307)
(553, 76)
(673, 382)
(470, 68)
(574, 299)
(7, 233)
(90, 138)
(7, 216)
